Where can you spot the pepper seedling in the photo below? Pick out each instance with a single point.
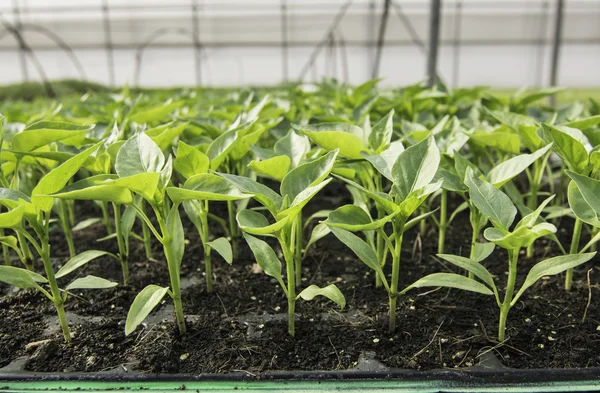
(298, 187)
(501, 212)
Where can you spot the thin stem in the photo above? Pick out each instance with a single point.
(56, 296)
(145, 218)
(64, 223)
(204, 238)
(513, 256)
(298, 249)
(106, 218)
(443, 221)
(534, 186)
(393, 294)
(123, 249)
(474, 217)
(233, 228)
(573, 250)
(5, 251)
(146, 234)
(288, 254)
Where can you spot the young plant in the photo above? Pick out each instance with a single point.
(570, 145)
(584, 200)
(411, 175)
(36, 211)
(501, 212)
(298, 187)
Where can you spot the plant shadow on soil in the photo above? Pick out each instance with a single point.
(242, 325)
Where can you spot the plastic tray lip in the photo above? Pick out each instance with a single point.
(499, 376)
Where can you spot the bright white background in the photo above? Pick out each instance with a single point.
(499, 41)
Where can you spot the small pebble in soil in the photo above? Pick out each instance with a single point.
(550, 338)
(541, 346)
(527, 320)
(375, 340)
(252, 297)
(598, 328)
(184, 356)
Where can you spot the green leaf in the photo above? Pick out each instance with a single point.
(569, 144)
(154, 113)
(589, 188)
(190, 161)
(307, 175)
(362, 250)
(474, 267)
(508, 169)
(382, 199)
(384, 162)
(44, 132)
(415, 167)
(483, 250)
(551, 267)
(353, 218)
(91, 282)
(165, 174)
(57, 178)
(174, 239)
(257, 224)
(219, 149)
(266, 258)
(580, 207)
(139, 155)
(505, 141)
(12, 218)
(490, 201)
(96, 188)
(263, 194)
(330, 136)
(79, 260)
(585, 123)
(81, 225)
(520, 237)
(331, 292)
(301, 200)
(382, 132)
(20, 278)
(164, 135)
(449, 280)
(208, 187)
(222, 246)
(144, 184)
(318, 232)
(276, 167)
(10, 241)
(294, 146)
(142, 306)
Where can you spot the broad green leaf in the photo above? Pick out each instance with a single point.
(331, 292)
(21, 278)
(78, 261)
(505, 141)
(91, 282)
(415, 167)
(301, 200)
(57, 178)
(242, 146)
(208, 187)
(483, 250)
(490, 201)
(142, 306)
(276, 167)
(294, 146)
(568, 144)
(307, 175)
(96, 188)
(585, 123)
(266, 258)
(520, 237)
(381, 133)
(510, 168)
(144, 184)
(222, 246)
(154, 113)
(532, 218)
(451, 182)
(474, 267)
(384, 162)
(330, 136)
(362, 250)
(589, 188)
(383, 199)
(12, 198)
(257, 224)
(318, 232)
(10, 241)
(219, 149)
(44, 132)
(551, 267)
(139, 155)
(580, 207)
(12, 218)
(164, 135)
(192, 210)
(449, 280)
(412, 202)
(190, 161)
(165, 174)
(461, 164)
(353, 218)
(263, 194)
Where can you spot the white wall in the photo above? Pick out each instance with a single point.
(499, 41)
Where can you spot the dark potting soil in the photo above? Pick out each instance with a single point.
(242, 325)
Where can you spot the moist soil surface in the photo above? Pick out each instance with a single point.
(242, 325)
